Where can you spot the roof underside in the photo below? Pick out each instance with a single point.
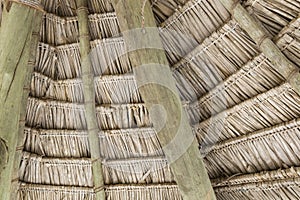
(243, 112)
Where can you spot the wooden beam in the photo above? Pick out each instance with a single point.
(158, 90)
(18, 44)
(256, 31)
(89, 98)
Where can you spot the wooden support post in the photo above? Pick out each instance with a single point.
(18, 44)
(256, 31)
(159, 92)
(89, 98)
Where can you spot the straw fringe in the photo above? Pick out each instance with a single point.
(49, 143)
(53, 171)
(275, 106)
(274, 14)
(31, 191)
(179, 33)
(218, 57)
(127, 143)
(267, 149)
(122, 116)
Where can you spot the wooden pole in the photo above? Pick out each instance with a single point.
(89, 98)
(159, 92)
(18, 42)
(256, 31)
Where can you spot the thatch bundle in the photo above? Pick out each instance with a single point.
(129, 143)
(283, 184)
(218, 57)
(122, 116)
(187, 28)
(155, 192)
(267, 149)
(275, 106)
(49, 142)
(274, 14)
(137, 170)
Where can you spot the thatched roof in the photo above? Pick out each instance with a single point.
(244, 113)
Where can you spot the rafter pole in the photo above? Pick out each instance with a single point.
(89, 98)
(256, 31)
(159, 92)
(18, 44)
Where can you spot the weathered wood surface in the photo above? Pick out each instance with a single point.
(158, 90)
(89, 98)
(17, 47)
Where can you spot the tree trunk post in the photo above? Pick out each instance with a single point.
(18, 44)
(89, 98)
(158, 90)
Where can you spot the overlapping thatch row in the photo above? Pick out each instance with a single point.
(55, 115)
(281, 184)
(109, 89)
(69, 90)
(280, 174)
(218, 57)
(49, 143)
(129, 143)
(117, 89)
(274, 14)
(137, 170)
(55, 171)
(59, 31)
(34, 191)
(142, 192)
(256, 77)
(275, 106)
(189, 26)
(290, 41)
(163, 9)
(109, 57)
(268, 149)
(122, 116)
(100, 6)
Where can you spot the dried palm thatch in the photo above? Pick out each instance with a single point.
(185, 29)
(218, 57)
(129, 143)
(267, 149)
(155, 192)
(267, 109)
(274, 14)
(282, 184)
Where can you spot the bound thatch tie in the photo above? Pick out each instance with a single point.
(35, 4)
(262, 39)
(99, 189)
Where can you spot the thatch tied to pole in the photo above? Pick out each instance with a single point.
(129, 143)
(47, 142)
(118, 116)
(35, 191)
(282, 184)
(267, 149)
(141, 192)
